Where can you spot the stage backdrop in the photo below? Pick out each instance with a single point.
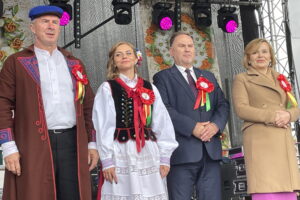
(217, 51)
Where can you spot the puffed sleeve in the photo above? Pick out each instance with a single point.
(163, 127)
(104, 119)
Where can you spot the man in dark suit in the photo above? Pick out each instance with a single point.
(196, 162)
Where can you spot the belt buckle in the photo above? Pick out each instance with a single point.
(56, 131)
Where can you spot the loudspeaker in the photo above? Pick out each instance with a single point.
(249, 23)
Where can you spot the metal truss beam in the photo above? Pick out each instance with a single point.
(272, 27)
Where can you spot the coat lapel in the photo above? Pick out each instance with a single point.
(180, 79)
(70, 64)
(258, 79)
(30, 64)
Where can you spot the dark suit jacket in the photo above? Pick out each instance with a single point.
(179, 100)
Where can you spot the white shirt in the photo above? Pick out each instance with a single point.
(184, 74)
(57, 93)
(57, 89)
(104, 119)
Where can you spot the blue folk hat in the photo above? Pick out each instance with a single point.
(45, 10)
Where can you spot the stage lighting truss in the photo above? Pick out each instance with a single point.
(67, 8)
(202, 14)
(122, 11)
(162, 16)
(227, 19)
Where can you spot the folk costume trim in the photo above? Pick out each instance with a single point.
(142, 98)
(41, 123)
(81, 81)
(286, 86)
(204, 87)
(30, 64)
(6, 135)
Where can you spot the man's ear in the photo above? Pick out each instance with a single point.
(32, 27)
(171, 51)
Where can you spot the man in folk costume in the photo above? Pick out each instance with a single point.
(46, 130)
(199, 114)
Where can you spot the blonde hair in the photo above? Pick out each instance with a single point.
(112, 70)
(252, 46)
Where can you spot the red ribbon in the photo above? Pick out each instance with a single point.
(204, 86)
(139, 119)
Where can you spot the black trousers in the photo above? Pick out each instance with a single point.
(64, 151)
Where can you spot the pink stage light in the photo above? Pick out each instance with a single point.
(166, 23)
(231, 26)
(65, 19)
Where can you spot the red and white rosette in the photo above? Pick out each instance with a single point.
(204, 86)
(147, 98)
(286, 86)
(81, 80)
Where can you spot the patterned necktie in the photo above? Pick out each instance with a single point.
(191, 82)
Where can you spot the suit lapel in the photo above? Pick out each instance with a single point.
(181, 80)
(197, 72)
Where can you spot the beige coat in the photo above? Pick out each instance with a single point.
(270, 153)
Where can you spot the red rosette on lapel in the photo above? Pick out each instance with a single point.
(204, 86)
(81, 80)
(286, 86)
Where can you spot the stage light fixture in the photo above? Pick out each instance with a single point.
(202, 14)
(67, 8)
(162, 16)
(227, 19)
(122, 11)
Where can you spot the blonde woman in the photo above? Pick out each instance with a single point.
(261, 99)
(135, 135)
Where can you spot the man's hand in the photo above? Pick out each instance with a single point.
(93, 158)
(110, 175)
(208, 132)
(199, 128)
(12, 163)
(282, 118)
(164, 170)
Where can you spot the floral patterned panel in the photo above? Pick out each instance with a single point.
(12, 33)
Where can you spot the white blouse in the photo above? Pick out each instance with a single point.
(104, 119)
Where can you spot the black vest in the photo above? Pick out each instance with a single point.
(124, 113)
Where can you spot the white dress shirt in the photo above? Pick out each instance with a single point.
(184, 74)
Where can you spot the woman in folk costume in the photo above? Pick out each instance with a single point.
(135, 135)
(262, 98)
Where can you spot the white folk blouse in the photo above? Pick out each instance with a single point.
(137, 172)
